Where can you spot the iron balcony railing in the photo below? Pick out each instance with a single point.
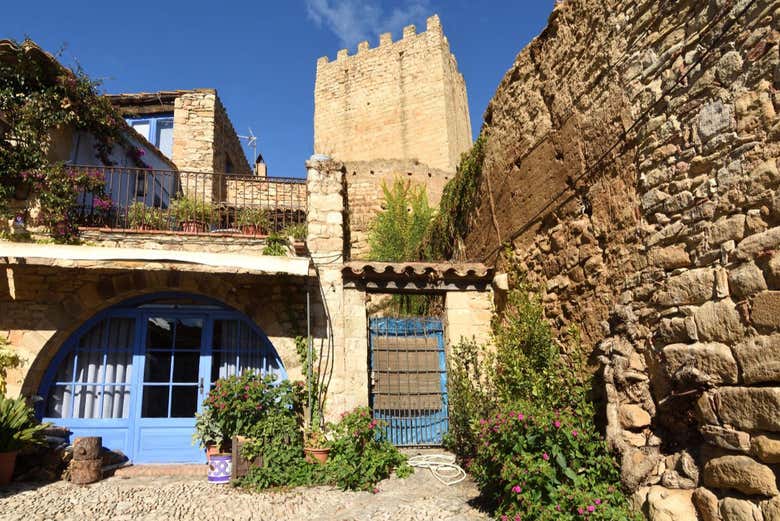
(194, 202)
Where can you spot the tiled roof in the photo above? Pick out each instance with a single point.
(428, 270)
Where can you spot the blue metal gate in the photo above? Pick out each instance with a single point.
(409, 379)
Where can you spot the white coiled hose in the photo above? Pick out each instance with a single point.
(442, 466)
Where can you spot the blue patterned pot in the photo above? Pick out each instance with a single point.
(219, 468)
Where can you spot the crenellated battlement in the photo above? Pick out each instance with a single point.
(433, 29)
(402, 99)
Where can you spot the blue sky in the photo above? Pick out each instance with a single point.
(261, 55)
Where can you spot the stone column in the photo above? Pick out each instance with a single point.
(340, 315)
(467, 315)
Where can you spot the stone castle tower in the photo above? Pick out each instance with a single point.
(402, 100)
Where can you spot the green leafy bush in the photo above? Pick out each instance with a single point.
(296, 231)
(524, 427)
(359, 457)
(239, 404)
(397, 231)
(188, 209)
(275, 245)
(8, 360)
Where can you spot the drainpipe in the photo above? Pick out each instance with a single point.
(310, 349)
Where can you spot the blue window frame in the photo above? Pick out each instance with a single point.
(157, 129)
(137, 373)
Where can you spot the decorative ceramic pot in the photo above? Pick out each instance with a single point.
(212, 449)
(314, 455)
(219, 468)
(7, 464)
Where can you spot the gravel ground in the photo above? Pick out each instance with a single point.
(419, 497)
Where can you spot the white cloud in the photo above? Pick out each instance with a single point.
(353, 21)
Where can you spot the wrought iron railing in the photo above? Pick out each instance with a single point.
(194, 202)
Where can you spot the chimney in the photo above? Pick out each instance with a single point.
(261, 169)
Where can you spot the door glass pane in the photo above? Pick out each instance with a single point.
(185, 367)
(184, 401)
(89, 367)
(121, 333)
(155, 402)
(65, 372)
(116, 401)
(157, 367)
(188, 333)
(60, 401)
(159, 333)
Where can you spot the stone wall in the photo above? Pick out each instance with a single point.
(401, 100)
(203, 136)
(364, 180)
(632, 162)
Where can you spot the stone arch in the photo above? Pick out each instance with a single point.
(111, 289)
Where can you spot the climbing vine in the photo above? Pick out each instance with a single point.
(456, 206)
(38, 98)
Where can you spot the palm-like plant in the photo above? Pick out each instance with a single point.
(18, 427)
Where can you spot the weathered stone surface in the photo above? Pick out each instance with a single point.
(771, 509)
(633, 416)
(670, 258)
(732, 509)
(635, 465)
(759, 359)
(689, 288)
(773, 271)
(725, 438)
(706, 504)
(746, 279)
(766, 448)
(718, 321)
(727, 229)
(714, 118)
(707, 363)
(729, 66)
(665, 504)
(740, 473)
(750, 408)
(766, 309)
(751, 246)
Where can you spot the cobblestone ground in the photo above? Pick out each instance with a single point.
(419, 497)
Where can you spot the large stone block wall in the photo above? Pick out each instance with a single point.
(632, 163)
(400, 100)
(364, 180)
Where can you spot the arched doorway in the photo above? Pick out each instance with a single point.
(137, 373)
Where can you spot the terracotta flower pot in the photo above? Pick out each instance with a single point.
(7, 464)
(314, 455)
(250, 229)
(212, 449)
(193, 227)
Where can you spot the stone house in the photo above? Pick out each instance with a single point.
(124, 334)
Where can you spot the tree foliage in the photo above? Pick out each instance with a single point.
(397, 231)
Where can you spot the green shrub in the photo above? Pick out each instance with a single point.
(189, 209)
(8, 360)
(238, 404)
(396, 233)
(546, 465)
(18, 426)
(524, 427)
(275, 245)
(296, 231)
(359, 457)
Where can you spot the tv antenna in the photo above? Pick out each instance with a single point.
(251, 140)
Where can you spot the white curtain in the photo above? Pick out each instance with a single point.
(238, 348)
(100, 386)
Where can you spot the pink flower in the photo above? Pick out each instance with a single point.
(591, 508)
(520, 416)
(517, 489)
(545, 456)
(558, 508)
(504, 518)
(574, 433)
(557, 424)
(598, 501)
(482, 421)
(376, 490)
(517, 517)
(581, 511)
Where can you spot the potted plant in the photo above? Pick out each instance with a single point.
(252, 221)
(316, 445)
(208, 433)
(18, 429)
(193, 215)
(142, 217)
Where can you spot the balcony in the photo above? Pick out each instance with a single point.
(193, 203)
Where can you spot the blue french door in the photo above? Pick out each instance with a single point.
(136, 374)
(176, 365)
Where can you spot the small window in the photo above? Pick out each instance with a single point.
(164, 138)
(142, 127)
